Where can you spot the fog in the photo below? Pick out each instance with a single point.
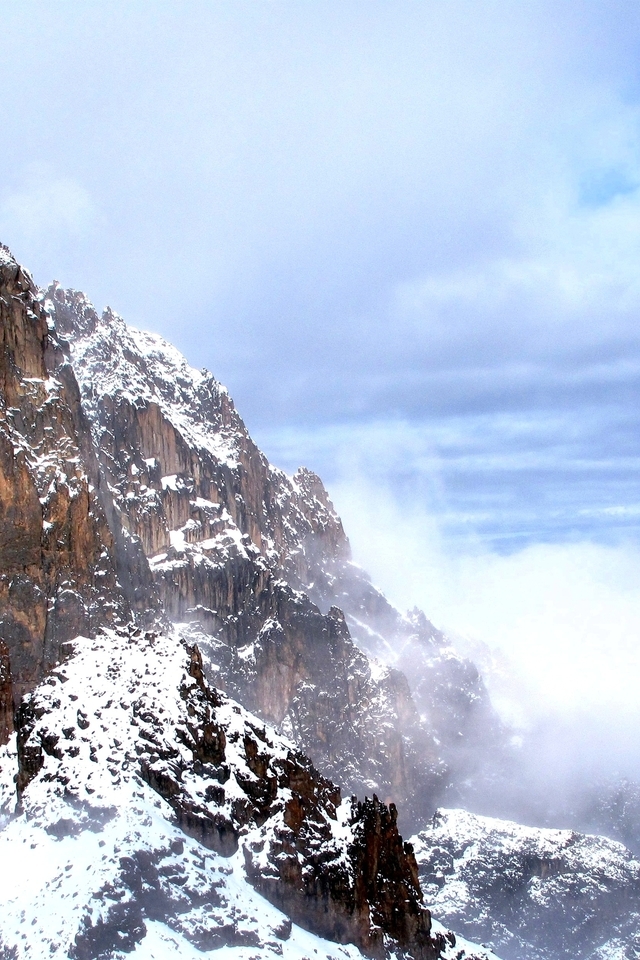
(555, 630)
(566, 615)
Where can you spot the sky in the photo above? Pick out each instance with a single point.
(406, 235)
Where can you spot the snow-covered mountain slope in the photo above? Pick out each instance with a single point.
(151, 809)
(149, 409)
(531, 893)
(135, 510)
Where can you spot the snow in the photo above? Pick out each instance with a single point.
(8, 770)
(6, 257)
(161, 942)
(52, 880)
(468, 831)
(87, 818)
(462, 948)
(177, 540)
(379, 671)
(70, 841)
(552, 883)
(116, 360)
(203, 504)
(216, 550)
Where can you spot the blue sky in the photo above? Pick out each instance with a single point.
(406, 235)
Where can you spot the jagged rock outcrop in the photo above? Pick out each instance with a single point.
(57, 564)
(371, 894)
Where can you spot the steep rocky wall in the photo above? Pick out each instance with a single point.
(6, 695)
(201, 528)
(278, 654)
(153, 416)
(57, 573)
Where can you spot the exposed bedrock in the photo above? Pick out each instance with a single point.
(6, 695)
(337, 868)
(57, 565)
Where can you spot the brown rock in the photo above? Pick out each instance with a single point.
(6, 695)
(277, 652)
(57, 565)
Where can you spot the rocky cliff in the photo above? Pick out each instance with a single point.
(128, 749)
(145, 502)
(57, 559)
(159, 579)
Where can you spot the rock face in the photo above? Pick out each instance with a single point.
(153, 416)
(6, 695)
(530, 892)
(178, 515)
(57, 564)
(159, 579)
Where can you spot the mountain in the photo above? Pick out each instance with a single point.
(259, 566)
(135, 519)
(128, 748)
(531, 892)
(202, 697)
(58, 575)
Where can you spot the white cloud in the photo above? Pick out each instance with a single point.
(574, 282)
(566, 615)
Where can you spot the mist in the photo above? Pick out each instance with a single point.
(554, 629)
(567, 615)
